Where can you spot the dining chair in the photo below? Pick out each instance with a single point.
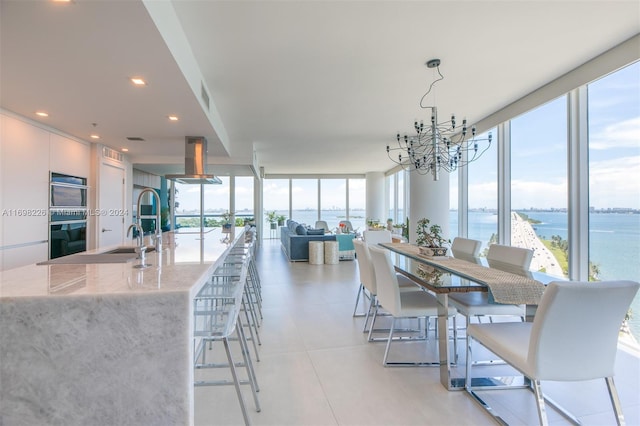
(399, 304)
(465, 247)
(475, 303)
(376, 237)
(368, 288)
(509, 257)
(347, 225)
(565, 342)
(322, 224)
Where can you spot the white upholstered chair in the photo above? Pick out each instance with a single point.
(464, 248)
(376, 237)
(475, 303)
(322, 224)
(400, 304)
(573, 337)
(368, 286)
(509, 257)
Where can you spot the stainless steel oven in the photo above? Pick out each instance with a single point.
(67, 215)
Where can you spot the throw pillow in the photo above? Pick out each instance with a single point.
(301, 230)
(315, 231)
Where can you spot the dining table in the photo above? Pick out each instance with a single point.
(443, 275)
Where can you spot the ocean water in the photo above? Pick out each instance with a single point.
(614, 243)
(614, 239)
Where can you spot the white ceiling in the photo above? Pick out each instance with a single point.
(315, 86)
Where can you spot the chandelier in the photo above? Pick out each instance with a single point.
(437, 146)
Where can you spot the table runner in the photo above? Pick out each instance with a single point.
(506, 288)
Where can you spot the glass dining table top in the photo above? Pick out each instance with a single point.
(441, 279)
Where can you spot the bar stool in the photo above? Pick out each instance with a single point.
(216, 318)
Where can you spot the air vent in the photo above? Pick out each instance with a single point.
(204, 95)
(112, 154)
(135, 138)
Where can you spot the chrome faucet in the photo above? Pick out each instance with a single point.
(158, 232)
(140, 248)
(139, 236)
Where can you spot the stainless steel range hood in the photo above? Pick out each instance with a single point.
(195, 163)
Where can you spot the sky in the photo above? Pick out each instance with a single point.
(539, 153)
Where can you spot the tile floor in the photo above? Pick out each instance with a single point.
(316, 367)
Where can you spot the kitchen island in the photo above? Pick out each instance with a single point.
(105, 343)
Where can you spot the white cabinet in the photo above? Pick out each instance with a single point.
(25, 182)
(69, 157)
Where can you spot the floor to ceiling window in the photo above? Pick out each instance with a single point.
(539, 186)
(482, 219)
(216, 202)
(357, 198)
(453, 204)
(614, 179)
(333, 201)
(397, 187)
(243, 193)
(304, 201)
(275, 199)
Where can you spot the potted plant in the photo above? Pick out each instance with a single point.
(430, 240)
(226, 221)
(281, 218)
(271, 218)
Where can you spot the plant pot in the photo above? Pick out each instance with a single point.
(433, 251)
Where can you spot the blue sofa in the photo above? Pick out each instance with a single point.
(296, 245)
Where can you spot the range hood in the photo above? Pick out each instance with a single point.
(195, 163)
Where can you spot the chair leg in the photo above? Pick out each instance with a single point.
(366, 319)
(542, 412)
(615, 401)
(236, 382)
(373, 320)
(386, 351)
(355, 308)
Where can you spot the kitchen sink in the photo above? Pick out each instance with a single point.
(121, 254)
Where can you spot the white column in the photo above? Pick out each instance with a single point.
(375, 196)
(578, 166)
(428, 199)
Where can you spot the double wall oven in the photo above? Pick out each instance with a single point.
(67, 215)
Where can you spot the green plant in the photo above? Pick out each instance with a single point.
(280, 219)
(226, 216)
(164, 217)
(429, 236)
(271, 216)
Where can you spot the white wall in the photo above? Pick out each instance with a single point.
(28, 153)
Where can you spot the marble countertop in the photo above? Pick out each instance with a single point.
(186, 261)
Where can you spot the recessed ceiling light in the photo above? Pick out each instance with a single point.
(94, 136)
(173, 118)
(42, 113)
(125, 149)
(138, 81)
